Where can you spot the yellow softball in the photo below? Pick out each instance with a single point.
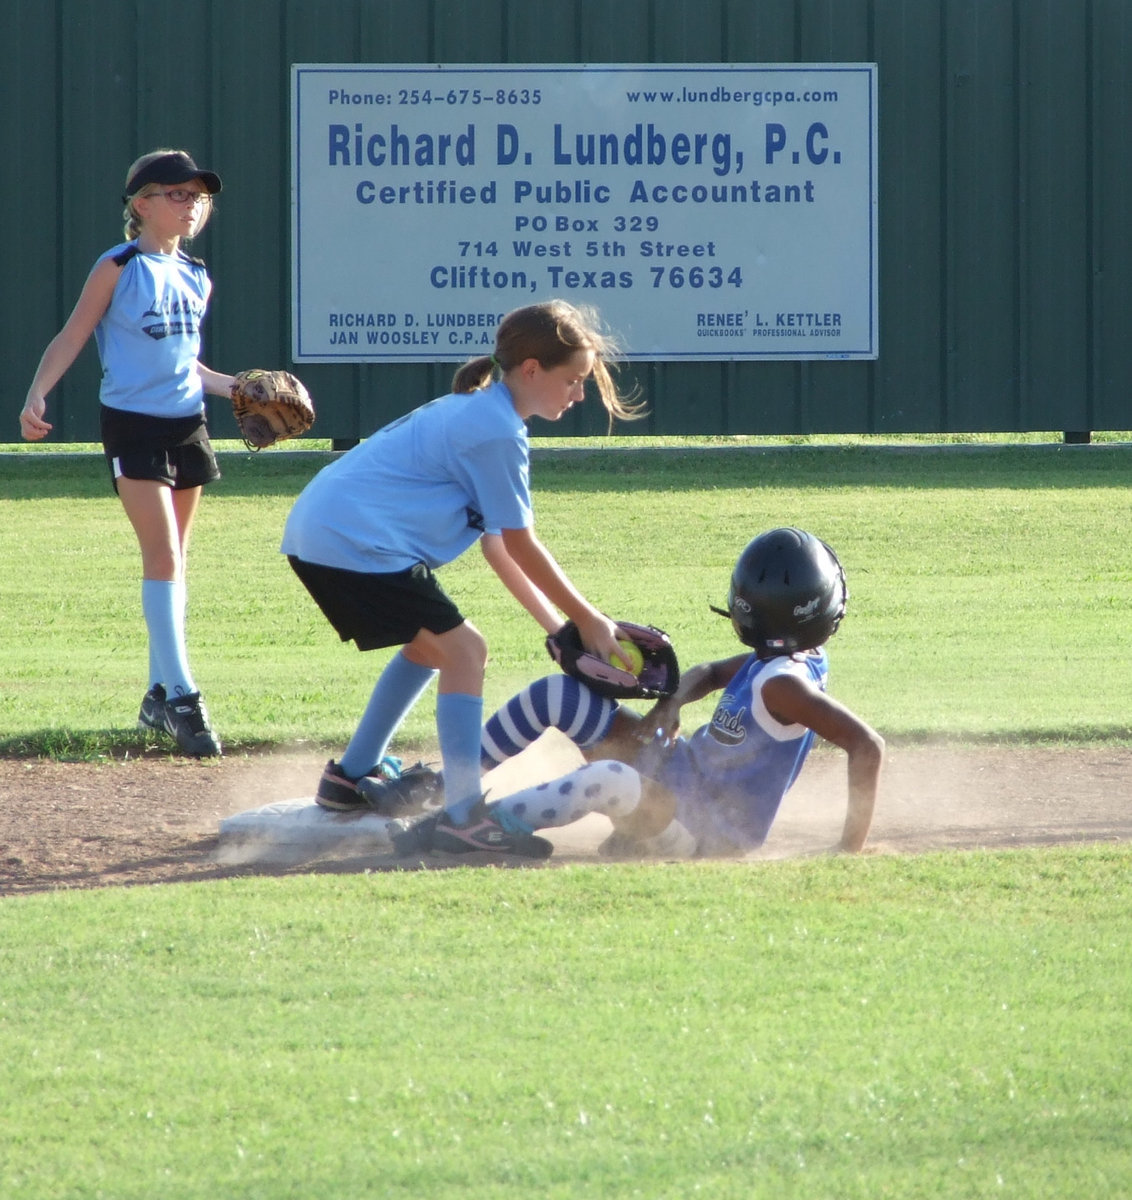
(633, 653)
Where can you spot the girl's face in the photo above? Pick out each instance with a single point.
(175, 212)
(549, 392)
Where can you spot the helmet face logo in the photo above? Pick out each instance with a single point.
(807, 610)
(741, 604)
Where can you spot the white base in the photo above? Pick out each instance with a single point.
(293, 831)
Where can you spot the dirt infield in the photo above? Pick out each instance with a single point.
(156, 819)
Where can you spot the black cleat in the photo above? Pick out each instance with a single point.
(413, 791)
(338, 792)
(152, 714)
(186, 721)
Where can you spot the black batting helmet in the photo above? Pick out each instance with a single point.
(787, 594)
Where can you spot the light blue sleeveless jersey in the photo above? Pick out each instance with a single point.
(149, 338)
(730, 775)
(421, 490)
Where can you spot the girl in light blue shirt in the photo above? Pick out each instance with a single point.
(367, 533)
(144, 301)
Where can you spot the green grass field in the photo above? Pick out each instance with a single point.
(988, 586)
(940, 1026)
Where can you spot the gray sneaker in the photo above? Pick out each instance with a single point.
(484, 831)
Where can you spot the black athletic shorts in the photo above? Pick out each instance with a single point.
(377, 610)
(171, 450)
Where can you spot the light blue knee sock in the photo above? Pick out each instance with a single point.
(163, 604)
(459, 717)
(397, 690)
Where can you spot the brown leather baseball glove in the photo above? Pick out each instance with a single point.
(270, 406)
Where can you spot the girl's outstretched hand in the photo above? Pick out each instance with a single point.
(33, 427)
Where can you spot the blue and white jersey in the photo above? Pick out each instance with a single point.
(421, 490)
(149, 337)
(730, 775)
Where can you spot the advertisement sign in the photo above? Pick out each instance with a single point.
(709, 212)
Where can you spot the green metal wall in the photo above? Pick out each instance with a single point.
(1005, 190)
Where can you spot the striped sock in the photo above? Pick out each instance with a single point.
(553, 702)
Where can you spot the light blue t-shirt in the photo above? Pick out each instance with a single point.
(149, 337)
(731, 774)
(421, 490)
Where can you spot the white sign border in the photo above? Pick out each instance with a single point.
(866, 352)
